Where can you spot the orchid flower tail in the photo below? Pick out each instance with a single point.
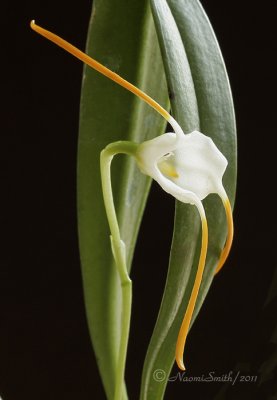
(100, 68)
(230, 234)
(182, 336)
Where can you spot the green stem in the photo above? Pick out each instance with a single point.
(118, 249)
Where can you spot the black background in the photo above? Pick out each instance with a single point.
(45, 350)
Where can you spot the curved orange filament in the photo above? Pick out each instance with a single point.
(180, 345)
(230, 234)
(99, 67)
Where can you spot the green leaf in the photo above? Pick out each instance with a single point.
(122, 37)
(186, 38)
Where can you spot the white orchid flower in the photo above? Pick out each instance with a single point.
(187, 166)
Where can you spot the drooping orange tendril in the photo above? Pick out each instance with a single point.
(99, 67)
(230, 234)
(180, 345)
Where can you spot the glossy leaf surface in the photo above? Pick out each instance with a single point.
(122, 37)
(200, 99)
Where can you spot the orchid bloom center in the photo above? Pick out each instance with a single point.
(167, 166)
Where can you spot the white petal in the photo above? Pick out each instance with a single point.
(183, 195)
(199, 164)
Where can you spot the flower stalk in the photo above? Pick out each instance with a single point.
(118, 249)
